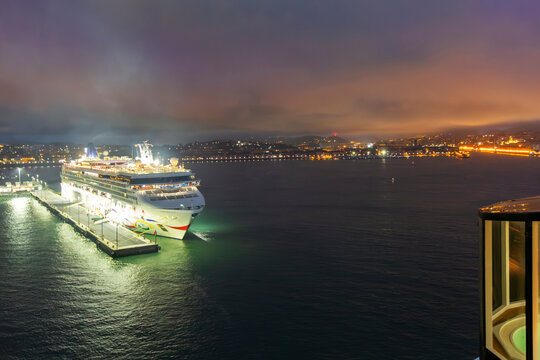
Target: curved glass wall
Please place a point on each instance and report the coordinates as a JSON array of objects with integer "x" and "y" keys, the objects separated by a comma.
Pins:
[
  {"x": 505, "y": 304},
  {"x": 511, "y": 253}
]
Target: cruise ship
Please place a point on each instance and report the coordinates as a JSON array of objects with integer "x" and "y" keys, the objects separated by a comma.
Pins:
[{"x": 138, "y": 193}]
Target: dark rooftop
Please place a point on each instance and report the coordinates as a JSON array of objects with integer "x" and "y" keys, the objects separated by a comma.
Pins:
[{"x": 524, "y": 205}]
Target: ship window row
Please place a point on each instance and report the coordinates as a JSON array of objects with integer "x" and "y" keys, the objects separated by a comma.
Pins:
[
  {"x": 114, "y": 187},
  {"x": 138, "y": 181},
  {"x": 114, "y": 193},
  {"x": 106, "y": 187},
  {"x": 110, "y": 183},
  {"x": 172, "y": 197},
  {"x": 168, "y": 191},
  {"x": 161, "y": 180},
  {"x": 121, "y": 182}
]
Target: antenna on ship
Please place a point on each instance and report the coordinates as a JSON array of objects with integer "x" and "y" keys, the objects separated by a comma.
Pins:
[
  {"x": 90, "y": 151},
  {"x": 144, "y": 153}
]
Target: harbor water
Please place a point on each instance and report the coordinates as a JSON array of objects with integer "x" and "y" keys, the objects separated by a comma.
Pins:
[{"x": 367, "y": 259}]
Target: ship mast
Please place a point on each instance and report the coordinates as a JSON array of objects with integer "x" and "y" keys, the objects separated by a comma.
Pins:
[{"x": 145, "y": 153}]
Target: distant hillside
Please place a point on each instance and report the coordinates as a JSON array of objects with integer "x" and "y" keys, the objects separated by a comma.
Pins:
[{"x": 314, "y": 141}]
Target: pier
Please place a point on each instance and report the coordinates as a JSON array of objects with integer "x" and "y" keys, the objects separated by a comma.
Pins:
[{"x": 114, "y": 239}]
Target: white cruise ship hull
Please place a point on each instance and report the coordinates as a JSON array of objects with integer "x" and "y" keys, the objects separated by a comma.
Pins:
[
  {"x": 161, "y": 222},
  {"x": 142, "y": 217}
]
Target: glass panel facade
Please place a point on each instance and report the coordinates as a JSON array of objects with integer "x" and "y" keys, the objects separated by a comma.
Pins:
[
  {"x": 536, "y": 287},
  {"x": 505, "y": 288},
  {"x": 498, "y": 268},
  {"x": 516, "y": 234}
]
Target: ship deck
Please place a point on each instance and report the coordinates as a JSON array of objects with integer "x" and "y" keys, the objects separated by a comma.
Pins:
[
  {"x": 113, "y": 239},
  {"x": 127, "y": 170}
]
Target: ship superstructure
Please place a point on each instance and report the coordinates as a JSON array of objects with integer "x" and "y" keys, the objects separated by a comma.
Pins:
[{"x": 140, "y": 194}]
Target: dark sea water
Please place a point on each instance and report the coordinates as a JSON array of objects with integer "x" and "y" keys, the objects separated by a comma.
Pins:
[{"x": 290, "y": 260}]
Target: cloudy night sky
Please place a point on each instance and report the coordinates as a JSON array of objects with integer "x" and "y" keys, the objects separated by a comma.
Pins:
[{"x": 175, "y": 71}]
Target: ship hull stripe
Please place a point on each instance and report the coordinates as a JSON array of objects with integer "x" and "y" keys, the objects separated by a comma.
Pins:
[{"x": 178, "y": 227}]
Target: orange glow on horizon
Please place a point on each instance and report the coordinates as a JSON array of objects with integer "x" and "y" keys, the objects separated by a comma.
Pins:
[{"x": 510, "y": 151}]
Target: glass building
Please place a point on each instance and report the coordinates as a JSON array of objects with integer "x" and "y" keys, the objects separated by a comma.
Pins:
[{"x": 509, "y": 277}]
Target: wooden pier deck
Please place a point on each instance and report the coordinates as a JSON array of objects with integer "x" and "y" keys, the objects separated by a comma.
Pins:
[{"x": 113, "y": 239}]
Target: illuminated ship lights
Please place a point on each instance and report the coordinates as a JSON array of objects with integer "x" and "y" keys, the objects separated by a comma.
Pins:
[{"x": 139, "y": 194}]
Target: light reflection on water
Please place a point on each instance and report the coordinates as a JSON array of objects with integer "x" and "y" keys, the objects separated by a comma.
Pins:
[
  {"x": 68, "y": 298},
  {"x": 205, "y": 236}
]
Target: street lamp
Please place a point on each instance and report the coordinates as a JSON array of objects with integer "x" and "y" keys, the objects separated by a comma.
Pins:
[{"x": 19, "y": 174}]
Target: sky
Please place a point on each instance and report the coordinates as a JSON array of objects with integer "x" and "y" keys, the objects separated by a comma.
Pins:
[{"x": 173, "y": 71}]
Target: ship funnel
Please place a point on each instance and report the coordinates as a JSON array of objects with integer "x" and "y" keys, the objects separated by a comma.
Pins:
[{"x": 174, "y": 161}]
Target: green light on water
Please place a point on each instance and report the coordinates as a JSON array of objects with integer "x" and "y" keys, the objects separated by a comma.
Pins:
[{"x": 208, "y": 222}]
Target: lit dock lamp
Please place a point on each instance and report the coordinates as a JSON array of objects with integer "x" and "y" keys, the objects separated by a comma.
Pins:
[{"x": 509, "y": 280}]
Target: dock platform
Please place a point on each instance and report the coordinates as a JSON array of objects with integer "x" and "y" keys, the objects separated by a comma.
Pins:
[{"x": 113, "y": 239}]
